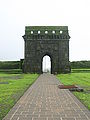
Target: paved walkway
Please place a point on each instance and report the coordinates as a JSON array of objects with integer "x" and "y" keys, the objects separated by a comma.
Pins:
[{"x": 45, "y": 101}]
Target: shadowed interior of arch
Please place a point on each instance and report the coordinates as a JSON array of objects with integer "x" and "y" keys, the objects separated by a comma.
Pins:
[{"x": 46, "y": 64}]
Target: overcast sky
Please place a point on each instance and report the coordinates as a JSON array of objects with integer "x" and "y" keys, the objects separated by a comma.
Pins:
[{"x": 16, "y": 14}]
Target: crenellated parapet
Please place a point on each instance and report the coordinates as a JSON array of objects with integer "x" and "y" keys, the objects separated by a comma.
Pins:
[{"x": 46, "y": 32}]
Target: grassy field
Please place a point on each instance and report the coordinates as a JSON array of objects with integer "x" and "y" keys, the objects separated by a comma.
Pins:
[
  {"x": 12, "y": 87},
  {"x": 13, "y": 84},
  {"x": 79, "y": 77}
]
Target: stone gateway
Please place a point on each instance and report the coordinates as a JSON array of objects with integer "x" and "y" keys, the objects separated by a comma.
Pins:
[{"x": 46, "y": 40}]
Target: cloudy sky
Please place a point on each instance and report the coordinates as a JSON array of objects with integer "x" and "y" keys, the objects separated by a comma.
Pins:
[{"x": 16, "y": 14}]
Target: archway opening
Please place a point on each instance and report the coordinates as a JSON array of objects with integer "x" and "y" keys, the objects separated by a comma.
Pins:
[{"x": 46, "y": 64}]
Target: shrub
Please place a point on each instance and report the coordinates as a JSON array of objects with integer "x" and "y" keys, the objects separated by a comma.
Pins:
[
  {"x": 10, "y": 65},
  {"x": 80, "y": 64}
]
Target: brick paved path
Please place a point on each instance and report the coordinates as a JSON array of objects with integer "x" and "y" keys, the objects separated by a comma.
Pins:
[{"x": 45, "y": 101}]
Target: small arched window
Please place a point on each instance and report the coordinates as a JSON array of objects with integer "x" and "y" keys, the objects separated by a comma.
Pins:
[
  {"x": 38, "y": 32},
  {"x": 46, "y": 32},
  {"x": 53, "y": 32},
  {"x": 61, "y": 31},
  {"x": 31, "y": 32}
]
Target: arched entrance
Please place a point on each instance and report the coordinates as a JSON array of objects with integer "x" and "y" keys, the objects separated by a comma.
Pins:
[
  {"x": 46, "y": 40},
  {"x": 46, "y": 64}
]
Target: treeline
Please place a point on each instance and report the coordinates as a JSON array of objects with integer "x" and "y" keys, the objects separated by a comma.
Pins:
[
  {"x": 80, "y": 64},
  {"x": 10, "y": 65},
  {"x": 18, "y": 64}
]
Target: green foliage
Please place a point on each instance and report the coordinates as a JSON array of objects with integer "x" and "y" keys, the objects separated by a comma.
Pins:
[
  {"x": 10, "y": 71},
  {"x": 10, "y": 65},
  {"x": 81, "y": 70},
  {"x": 80, "y": 64},
  {"x": 78, "y": 78},
  {"x": 13, "y": 87}
]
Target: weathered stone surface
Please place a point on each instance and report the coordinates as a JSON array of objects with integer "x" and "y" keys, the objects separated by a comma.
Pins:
[{"x": 46, "y": 40}]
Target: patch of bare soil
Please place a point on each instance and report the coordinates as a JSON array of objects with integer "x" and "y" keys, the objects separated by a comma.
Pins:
[{"x": 16, "y": 77}]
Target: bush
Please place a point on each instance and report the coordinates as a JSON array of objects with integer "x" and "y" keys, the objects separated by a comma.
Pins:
[
  {"x": 10, "y": 65},
  {"x": 80, "y": 64}
]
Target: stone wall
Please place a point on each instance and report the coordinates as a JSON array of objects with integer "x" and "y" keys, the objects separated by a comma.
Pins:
[{"x": 46, "y": 40}]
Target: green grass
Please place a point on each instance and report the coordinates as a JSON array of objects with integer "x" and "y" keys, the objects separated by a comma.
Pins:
[
  {"x": 10, "y": 71},
  {"x": 79, "y": 77},
  {"x": 12, "y": 87},
  {"x": 81, "y": 70}
]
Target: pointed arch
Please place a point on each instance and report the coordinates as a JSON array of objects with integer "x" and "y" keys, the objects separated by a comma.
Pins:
[{"x": 46, "y": 63}]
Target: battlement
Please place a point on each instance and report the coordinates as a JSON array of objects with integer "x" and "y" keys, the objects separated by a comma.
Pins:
[
  {"x": 47, "y": 32},
  {"x": 46, "y": 29}
]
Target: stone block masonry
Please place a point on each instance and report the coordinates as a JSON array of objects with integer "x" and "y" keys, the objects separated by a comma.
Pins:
[{"x": 46, "y": 40}]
